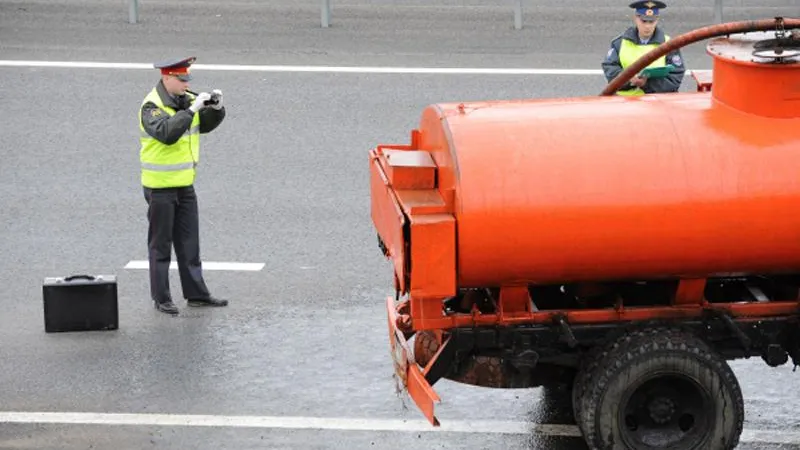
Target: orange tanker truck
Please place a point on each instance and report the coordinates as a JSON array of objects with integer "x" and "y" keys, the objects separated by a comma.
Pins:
[{"x": 543, "y": 240}]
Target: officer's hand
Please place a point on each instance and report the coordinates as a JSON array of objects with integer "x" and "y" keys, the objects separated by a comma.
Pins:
[
  {"x": 639, "y": 81},
  {"x": 217, "y": 105},
  {"x": 199, "y": 101}
]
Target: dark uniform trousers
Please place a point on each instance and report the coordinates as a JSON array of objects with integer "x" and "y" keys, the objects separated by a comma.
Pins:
[{"x": 173, "y": 217}]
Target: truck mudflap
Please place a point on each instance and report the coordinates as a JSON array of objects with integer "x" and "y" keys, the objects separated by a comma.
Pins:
[{"x": 408, "y": 374}]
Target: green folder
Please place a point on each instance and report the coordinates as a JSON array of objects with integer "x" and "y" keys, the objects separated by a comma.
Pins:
[{"x": 657, "y": 72}]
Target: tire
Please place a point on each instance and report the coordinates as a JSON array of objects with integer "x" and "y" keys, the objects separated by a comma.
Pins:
[
  {"x": 660, "y": 389},
  {"x": 425, "y": 346},
  {"x": 589, "y": 362}
]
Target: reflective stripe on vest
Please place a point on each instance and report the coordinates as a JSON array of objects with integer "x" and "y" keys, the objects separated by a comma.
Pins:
[
  {"x": 172, "y": 165},
  {"x": 630, "y": 52},
  {"x": 192, "y": 130}
]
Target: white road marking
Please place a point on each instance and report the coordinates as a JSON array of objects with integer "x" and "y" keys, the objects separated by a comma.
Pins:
[
  {"x": 309, "y": 423},
  {"x": 210, "y": 265},
  {"x": 770, "y": 437},
  {"x": 323, "y": 69},
  {"x": 341, "y": 424}
]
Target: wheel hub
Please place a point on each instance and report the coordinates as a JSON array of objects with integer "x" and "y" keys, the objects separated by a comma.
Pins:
[
  {"x": 666, "y": 411},
  {"x": 661, "y": 409}
]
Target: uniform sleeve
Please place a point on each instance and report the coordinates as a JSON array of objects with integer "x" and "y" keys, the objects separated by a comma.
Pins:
[
  {"x": 163, "y": 127},
  {"x": 672, "y": 82},
  {"x": 612, "y": 66},
  {"x": 210, "y": 119}
]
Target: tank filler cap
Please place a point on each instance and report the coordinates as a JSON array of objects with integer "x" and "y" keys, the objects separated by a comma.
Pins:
[
  {"x": 762, "y": 47},
  {"x": 767, "y": 62}
]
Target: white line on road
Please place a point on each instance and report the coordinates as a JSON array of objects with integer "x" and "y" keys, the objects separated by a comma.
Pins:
[
  {"x": 409, "y": 70},
  {"x": 234, "y": 266},
  {"x": 324, "y": 69},
  {"x": 329, "y": 69},
  {"x": 341, "y": 424},
  {"x": 313, "y": 423}
]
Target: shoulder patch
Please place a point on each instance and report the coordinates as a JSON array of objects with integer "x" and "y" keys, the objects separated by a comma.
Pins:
[{"x": 155, "y": 112}]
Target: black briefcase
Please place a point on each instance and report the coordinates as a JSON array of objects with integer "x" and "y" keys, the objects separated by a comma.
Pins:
[{"x": 80, "y": 303}]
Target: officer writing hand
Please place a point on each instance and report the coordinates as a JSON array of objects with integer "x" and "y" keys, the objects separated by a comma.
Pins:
[
  {"x": 199, "y": 102},
  {"x": 639, "y": 81}
]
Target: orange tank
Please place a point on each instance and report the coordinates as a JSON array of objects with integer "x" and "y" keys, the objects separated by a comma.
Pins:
[{"x": 602, "y": 188}]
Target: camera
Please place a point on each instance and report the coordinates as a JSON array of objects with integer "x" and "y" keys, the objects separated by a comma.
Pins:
[{"x": 214, "y": 99}]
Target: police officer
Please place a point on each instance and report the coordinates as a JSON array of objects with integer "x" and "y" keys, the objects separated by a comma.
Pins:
[
  {"x": 636, "y": 41},
  {"x": 171, "y": 121}
]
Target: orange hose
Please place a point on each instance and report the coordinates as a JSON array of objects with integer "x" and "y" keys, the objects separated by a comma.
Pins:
[{"x": 694, "y": 36}]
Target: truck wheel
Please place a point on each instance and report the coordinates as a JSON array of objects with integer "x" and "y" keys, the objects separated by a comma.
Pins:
[{"x": 661, "y": 389}]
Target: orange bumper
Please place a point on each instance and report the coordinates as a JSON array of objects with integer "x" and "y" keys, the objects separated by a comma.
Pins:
[{"x": 407, "y": 370}]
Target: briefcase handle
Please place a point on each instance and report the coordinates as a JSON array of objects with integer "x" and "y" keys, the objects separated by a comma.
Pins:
[{"x": 73, "y": 277}]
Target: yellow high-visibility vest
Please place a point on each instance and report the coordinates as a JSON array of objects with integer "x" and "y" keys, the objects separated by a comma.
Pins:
[
  {"x": 630, "y": 52},
  {"x": 172, "y": 165}
]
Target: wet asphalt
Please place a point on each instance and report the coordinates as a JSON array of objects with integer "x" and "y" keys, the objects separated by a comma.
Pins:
[{"x": 284, "y": 182}]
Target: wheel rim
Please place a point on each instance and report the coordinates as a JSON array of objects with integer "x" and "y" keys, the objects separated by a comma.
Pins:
[{"x": 666, "y": 411}]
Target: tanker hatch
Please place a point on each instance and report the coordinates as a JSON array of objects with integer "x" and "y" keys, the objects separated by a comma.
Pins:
[{"x": 758, "y": 72}]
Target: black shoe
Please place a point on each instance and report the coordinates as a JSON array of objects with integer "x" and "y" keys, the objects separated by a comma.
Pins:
[
  {"x": 167, "y": 307},
  {"x": 210, "y": 301}
]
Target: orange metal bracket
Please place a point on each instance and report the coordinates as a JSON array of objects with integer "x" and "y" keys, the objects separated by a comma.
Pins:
[
  {"x": 515, "y": 301},
  {"x": 388, "y": 217},
  {"x": 690, "y": 292},
  {"x": 407, "y": 370}
]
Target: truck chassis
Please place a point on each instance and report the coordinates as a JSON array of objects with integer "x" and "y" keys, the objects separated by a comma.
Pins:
[{"x": 675, "y": 352}]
